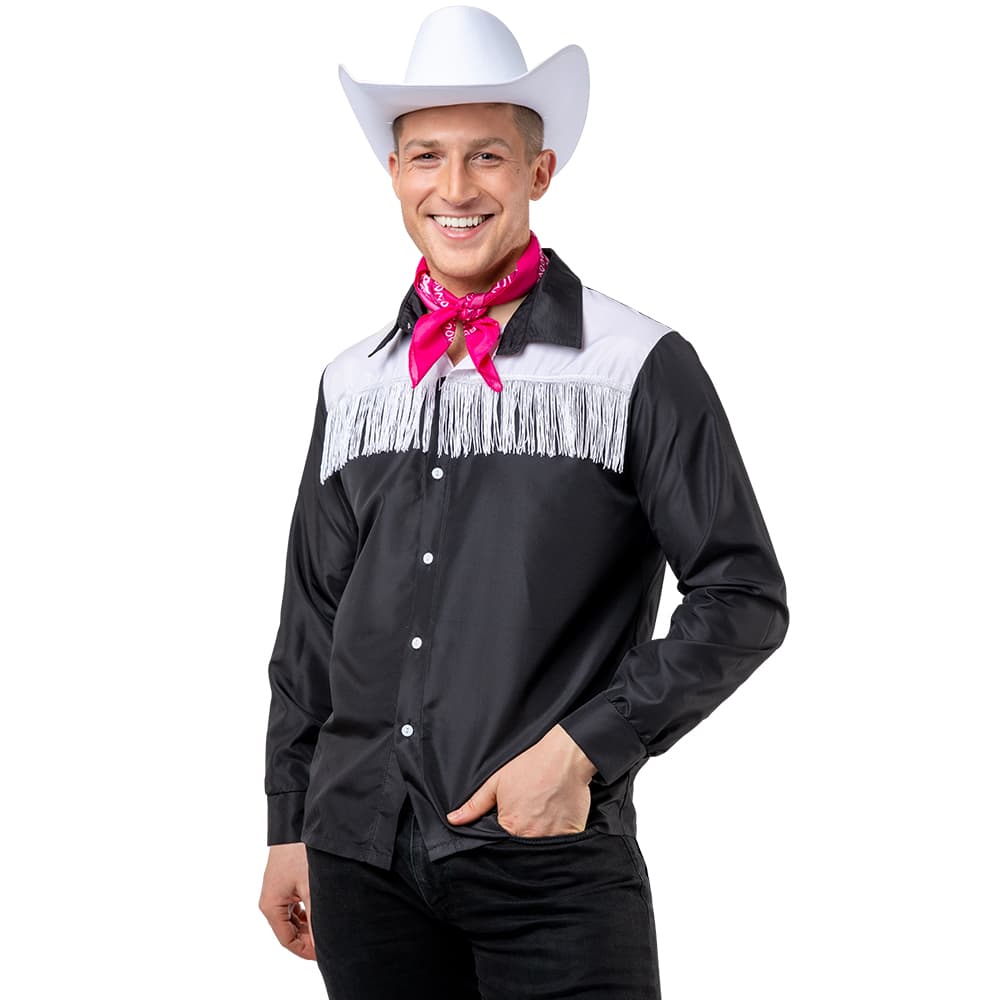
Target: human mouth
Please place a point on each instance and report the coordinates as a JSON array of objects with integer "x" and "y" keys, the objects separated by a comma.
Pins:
[{"x": 461, "y": 226}]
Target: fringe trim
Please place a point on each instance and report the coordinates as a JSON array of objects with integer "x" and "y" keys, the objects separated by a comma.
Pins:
[
  {"x": 385, "y": 417},
  {"x": 583, "y": 418}
]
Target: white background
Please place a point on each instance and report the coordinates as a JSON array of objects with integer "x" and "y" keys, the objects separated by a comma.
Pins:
[{"x": 193, "y": 225}]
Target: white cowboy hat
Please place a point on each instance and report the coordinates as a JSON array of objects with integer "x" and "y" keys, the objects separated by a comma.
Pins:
[{"x": 465, "y": 55}]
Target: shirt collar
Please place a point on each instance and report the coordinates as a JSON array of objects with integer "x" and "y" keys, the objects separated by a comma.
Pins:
[{"x": 552, "y": 312}]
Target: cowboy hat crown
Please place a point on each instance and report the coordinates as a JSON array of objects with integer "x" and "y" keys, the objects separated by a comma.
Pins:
[{"x": 466, "y": 55}]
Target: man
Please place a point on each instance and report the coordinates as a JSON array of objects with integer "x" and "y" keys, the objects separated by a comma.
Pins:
[{"x": 464, "y": 682}]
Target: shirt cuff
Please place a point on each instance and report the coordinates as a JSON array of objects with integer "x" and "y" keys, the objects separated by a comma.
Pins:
[
  {"x": 285, "y": 814},
  {"x": 605, "y": 736}
]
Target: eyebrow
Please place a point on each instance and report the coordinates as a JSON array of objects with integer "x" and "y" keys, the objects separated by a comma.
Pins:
[{"x": 493, "y": 140}]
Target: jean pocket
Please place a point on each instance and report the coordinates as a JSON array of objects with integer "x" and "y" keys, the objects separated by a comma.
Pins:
[
  {"x": 635, "y": 853},
  {"x": 555, "y": 838}
]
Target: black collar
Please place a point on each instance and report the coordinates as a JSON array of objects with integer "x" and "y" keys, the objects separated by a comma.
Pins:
[{"x": 552, "y": 312}]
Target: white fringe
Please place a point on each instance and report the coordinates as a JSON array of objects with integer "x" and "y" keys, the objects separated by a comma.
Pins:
[{"x": 582, "y": 418}]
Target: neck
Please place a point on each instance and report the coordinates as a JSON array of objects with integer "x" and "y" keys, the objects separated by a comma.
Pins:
[
  {"x": 478, "y": 286},
  {"x": 503, "y": 312}
]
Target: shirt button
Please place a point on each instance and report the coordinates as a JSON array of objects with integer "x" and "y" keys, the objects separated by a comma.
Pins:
[
  {"x": 437, "y": 472},
  {"x": 416, "y": 642},
  {"x": 428, "y": 557},
  {"x": 407, "y": 730}
]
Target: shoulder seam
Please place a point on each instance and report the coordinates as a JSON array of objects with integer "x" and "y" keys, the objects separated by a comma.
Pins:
[{"x": 652, "y": 319}]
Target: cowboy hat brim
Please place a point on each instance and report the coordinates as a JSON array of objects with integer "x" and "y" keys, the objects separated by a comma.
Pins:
[{"x": 558, "y": 89}]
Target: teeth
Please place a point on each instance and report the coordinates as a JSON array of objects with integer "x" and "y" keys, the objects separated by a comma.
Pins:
[{"x": 459, "y": 222}]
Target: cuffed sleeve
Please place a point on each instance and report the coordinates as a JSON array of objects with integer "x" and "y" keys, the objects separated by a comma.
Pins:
[
  {"x": 322, "y": 544},
  {"x": 694, "y": 490}
]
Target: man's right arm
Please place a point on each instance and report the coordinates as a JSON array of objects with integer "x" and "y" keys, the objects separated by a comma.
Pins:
[{"x": 322, "y": 543}]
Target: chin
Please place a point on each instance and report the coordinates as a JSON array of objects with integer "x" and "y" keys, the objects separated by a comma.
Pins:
[{"x": 461, "y": 260}]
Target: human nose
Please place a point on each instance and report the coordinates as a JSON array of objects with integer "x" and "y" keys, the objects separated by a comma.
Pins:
[{"x": 456, "y": 184}]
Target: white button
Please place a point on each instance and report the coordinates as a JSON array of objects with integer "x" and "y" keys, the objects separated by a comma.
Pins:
[
  {"x": 407, "y": 730},
  {"x": 428, "y": 557},
  {"x": 416, "y": 642},
  {"x": 437, "y": 472}
]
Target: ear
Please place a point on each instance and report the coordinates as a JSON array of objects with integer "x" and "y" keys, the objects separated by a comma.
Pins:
[
  {"x": 545, "y": 167},
  {"x": 394, "y": 171}
]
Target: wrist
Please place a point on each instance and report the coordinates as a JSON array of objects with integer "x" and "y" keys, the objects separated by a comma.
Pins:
[
  {"x": 581, "y": 763},
  {"x": 585, "y": 766}
]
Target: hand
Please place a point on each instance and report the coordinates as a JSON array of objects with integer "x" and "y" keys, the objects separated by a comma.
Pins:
[
  {"x": 285, "y": 891},
  {"x": 542, "y": 792}
]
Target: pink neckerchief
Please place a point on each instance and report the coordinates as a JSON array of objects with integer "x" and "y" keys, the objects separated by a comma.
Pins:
[{"x": 435, "y": 330}]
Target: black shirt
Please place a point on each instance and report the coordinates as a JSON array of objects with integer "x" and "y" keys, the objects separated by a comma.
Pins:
[{"x": 466, "y": 568}]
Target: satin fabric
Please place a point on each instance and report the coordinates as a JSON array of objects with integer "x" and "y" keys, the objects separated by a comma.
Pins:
[
  {"x": 442, "y": 612},
  {"x": 436, "y": 329}
]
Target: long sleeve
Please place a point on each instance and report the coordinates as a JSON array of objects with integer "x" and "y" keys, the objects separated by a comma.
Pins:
[
  {"x": 694, "y": 490},
  {"x": 322, "y": 543}
]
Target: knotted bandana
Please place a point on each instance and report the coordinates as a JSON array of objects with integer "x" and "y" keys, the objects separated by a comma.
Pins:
[{"x": 435, "y": 330}]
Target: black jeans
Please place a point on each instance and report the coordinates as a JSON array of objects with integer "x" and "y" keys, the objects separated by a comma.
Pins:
[{"x": 545, "y": 917}]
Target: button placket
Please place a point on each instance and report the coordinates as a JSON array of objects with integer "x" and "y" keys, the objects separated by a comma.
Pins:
[{"x": 433, "y": 498}]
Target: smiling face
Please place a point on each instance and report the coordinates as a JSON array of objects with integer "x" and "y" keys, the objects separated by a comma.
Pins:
[{"x": 457, "y": 163}]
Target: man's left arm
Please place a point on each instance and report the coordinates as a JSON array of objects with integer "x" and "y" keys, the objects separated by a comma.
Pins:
[{"x": 694, "y": 489}]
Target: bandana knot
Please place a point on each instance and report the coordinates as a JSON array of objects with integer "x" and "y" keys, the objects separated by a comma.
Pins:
[
  {"x": 472, "y": 308},
  {"x": 435, "y": 330}
]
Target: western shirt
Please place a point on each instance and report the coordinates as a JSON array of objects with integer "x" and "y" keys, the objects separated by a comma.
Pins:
[{"x": 467, "y": 568}]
